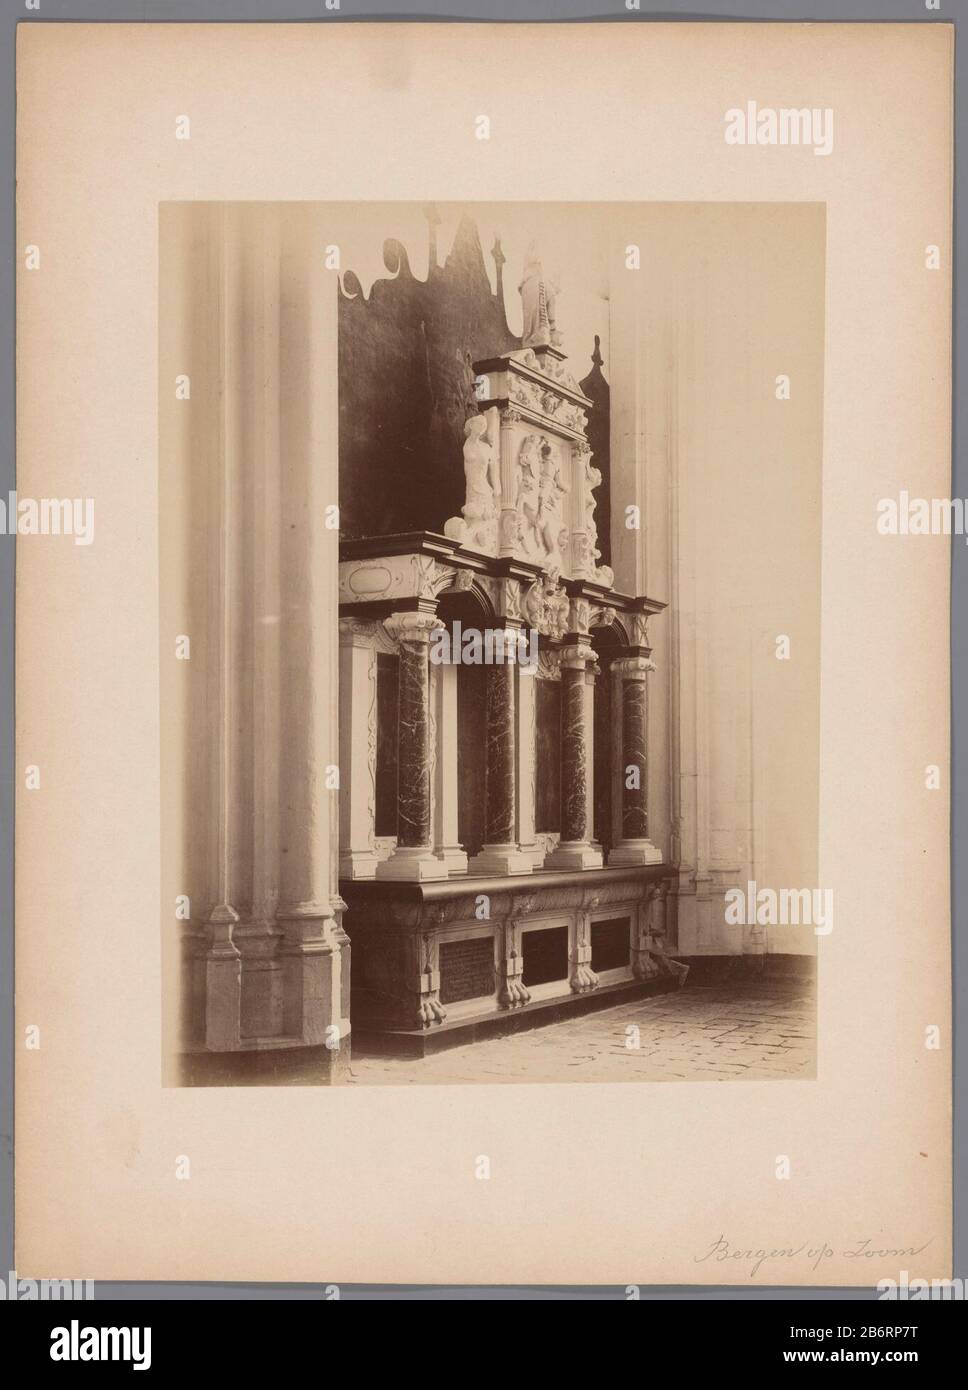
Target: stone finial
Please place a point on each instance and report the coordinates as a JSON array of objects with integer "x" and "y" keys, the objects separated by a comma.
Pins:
[{"x": 499, "y": 258}]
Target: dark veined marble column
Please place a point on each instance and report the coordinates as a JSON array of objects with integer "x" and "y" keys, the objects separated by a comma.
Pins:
[
  {"x": 413, "y": 857},
  {"x": 575, "y": 850},
  {"x": 634, "y": 819},
  {"x": 574, "y": 784},
  {"x": 499, "y": 766},
  {"x": 500, "y": 853},
  {"x": 634, "y": 847}
]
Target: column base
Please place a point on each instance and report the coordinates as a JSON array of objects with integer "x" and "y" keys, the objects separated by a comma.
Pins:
[
  {"x": 358, "y": 863},
  {"x": 454, "y": 859},
  {"x": 575, "y": 854},
  {"x": 413, "y": 863},
  {"x": 634, "y": 852},
  {"x": 501, "y": 859},
  {"x": 534, "y": 853}
]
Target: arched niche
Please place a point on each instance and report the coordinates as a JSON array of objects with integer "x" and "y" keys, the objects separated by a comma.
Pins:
[{"x": 470, "y": 609}]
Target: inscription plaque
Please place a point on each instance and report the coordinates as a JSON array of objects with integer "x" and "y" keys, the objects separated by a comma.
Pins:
[
  {"x": 466, "y": 969},
  {"x": 545, "y": 955},
  {"x": 610, "y": 944}
]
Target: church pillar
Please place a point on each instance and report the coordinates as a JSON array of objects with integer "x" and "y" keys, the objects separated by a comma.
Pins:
[
  {"x": 311, "y": 952},
  {"x": 634, "y": 847},
  {"x": 223, "y": 961},
  {"x": 413, "y": 857}
]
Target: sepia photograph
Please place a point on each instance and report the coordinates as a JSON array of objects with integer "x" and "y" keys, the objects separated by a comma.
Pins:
[{"x": 538, "y": 799}]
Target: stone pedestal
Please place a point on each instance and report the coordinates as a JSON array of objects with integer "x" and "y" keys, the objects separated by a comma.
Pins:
[
  {"x": 427, "y": 972},
  {"x": 307, "y": 956},
  {"x": 223, "y": 983}
]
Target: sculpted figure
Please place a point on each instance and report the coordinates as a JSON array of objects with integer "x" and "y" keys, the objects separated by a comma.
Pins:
[
  {"x": 527, "y": 501},
  {"x": 552, "y": 487},
  {"x": 538, "y": 296},
  {"x": 482, "y": 495},
  {"x": 546, "y": 605}
]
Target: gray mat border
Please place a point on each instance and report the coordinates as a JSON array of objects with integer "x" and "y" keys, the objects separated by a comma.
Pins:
[{"x": 13, "y": 12}]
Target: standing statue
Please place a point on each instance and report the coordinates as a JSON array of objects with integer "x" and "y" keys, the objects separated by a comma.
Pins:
[
  {"x": 477, "y": 526},
  {"x": 538, "y": 296},
  {"x": 552, "y": 488},
  {"x": 528, "y": 501}
]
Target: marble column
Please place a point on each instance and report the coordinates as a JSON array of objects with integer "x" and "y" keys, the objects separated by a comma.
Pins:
[
  {"x": 357, "y": 749},
  {"x": 414, "y": 856},
  {"x": 447, "y": 846},
  {"x": 634, "y": 847},
  {"x": 575, "y": 850},
  {"x": 500, "y": 853}
]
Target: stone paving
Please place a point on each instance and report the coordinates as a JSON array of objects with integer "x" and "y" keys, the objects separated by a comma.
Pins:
[{"x": 738, "y": 1031}]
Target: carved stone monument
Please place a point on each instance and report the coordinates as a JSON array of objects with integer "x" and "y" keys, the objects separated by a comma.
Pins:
[
  {"x": 530, "y": 481},
  {"x": 483, "y": 894}
]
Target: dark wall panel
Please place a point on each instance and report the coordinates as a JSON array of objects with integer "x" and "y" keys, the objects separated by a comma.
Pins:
[
  {"x": 547, "y": 815},
  {"x": 406, "y": 385},
  {"x": 471, "y": 734}
]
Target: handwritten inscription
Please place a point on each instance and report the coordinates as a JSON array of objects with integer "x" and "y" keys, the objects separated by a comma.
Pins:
[{"x": 814, "y": 1252}]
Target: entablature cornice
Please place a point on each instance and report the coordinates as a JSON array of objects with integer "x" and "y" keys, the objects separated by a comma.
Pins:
[{"x": 381, "y": 575}]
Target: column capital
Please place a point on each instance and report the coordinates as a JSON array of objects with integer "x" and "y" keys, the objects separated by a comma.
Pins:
[
  {"x": 633, "y": 668},
  {"x": 412, "y": 627},
  {"x": 356, "y": 632},
  {"x": 508, "y": 602},
  {"x": 577, "y": 656}
]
